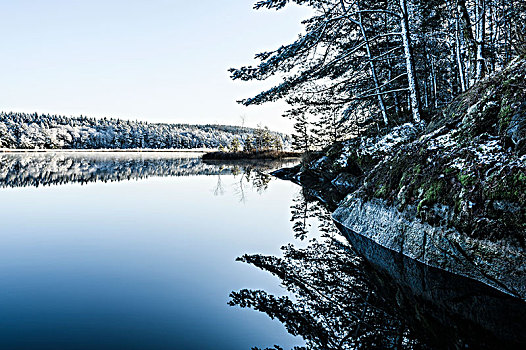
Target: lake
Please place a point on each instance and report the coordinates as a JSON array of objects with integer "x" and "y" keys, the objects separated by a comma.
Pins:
[
  {"x": 139, "y": 250},
  {"x": 135, "y": 251}
]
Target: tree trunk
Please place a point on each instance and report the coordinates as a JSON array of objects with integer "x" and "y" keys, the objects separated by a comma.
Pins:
[
  {"x": 460, "y": 63},
  {"x": 481, "y": 31},
  {"x": 469, "y": 38},
  {"x": 409, "y": 62},
  {"x": 373, "y": 69},
  {"x": 434, "y": 82}
]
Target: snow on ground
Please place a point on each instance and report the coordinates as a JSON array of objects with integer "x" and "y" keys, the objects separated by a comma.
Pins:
[{"x": 386, "y": 144}]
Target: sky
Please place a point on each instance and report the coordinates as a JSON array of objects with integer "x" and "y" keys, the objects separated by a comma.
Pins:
[{"x": 152, "y": 60}]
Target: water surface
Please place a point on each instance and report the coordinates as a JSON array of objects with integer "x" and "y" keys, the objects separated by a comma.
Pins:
[
  {"x": 135, "y": 251},
  {"x": 138, "y": 251}
]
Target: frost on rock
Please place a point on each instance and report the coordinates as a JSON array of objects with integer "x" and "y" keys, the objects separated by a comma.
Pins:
[
  {"x": 473, "y": 109},
  {"x": 490, "y": 152},
  {"x": 386, "y": 144},
  {"x": 318, "y": 163},
  {"x": 345, "y": 154},
  {"x": 457, "y": 164},
  {"x": 445, "y": 141},
  {"x": 377, "y": 147}
]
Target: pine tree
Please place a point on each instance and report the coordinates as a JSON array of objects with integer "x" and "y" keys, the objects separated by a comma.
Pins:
[{"x": 387, "y": 61}]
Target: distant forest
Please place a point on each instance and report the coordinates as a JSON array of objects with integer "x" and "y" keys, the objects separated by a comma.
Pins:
[{"x": 44, "y": 131}]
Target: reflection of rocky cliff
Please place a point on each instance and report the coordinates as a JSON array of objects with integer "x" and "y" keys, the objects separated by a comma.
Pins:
[
  {"x": 436, "y": 302},
  {"x": 365, "y": 296},
  {"x": 42, "y": 169}
]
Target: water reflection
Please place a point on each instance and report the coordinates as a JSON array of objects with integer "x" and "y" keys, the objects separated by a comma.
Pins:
[
  {"x": 340, "y": 297},
  {"x": 134, "y": 264},
  {"x": 369, "y": 297},
  {"x": 252, "y": 176},
  {"x": 44, "y": 169}
]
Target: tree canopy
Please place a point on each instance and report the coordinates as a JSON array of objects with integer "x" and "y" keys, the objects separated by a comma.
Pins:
[{"x": 361, "y": 63}]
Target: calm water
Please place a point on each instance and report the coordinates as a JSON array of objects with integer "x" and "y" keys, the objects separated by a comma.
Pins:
[
  {"x": 138, "y": 251},
  {"x": 135, "y": 251}
]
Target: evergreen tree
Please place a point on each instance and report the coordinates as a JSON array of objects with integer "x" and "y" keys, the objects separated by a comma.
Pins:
[
  {"x": 388, "y": 61},
  {"x": 29, "y": 131}
]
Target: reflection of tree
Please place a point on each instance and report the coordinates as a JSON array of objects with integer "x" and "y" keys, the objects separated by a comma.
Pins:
[
  {"x": 21, "y": 170},
  {"x": 260, "y": 181},
  {"x": 333, "y": 305},
  {"x": 43, "y": 169},
  {"x": 219, "y": 189},
  {"x": 300, "y": 215},
  {"x": 239, "y": 187},
  {"x": 253, "y": 176},
  {"x": 304, "y": 210},
  {"x": 338, "y": 300}
]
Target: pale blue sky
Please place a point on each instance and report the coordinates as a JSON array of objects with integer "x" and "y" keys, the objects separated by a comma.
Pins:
[{"x": 155, "y": 60}]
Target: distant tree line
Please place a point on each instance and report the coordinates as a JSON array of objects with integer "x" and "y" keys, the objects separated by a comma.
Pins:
[
  {"x": 261, "y": 140},
  {"x": 371, "y": 65},
  {"x": 44, "y": 131}
]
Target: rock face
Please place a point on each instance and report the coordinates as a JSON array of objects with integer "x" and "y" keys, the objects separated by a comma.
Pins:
[
  {"x": 442, "y": 247},
  {"x": 435, "y": 302},
  {"x": 516, "y": 130},
  {"x": 451, "y": 195}
]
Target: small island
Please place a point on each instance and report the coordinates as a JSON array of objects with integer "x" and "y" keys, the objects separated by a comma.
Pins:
[
  {"x": 262, "y": 144},
  {"x": 243, "y": 155}
]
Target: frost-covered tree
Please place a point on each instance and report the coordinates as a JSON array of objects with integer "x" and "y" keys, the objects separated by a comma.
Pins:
[
  {"x": 337, "y": 62},
  {"x": 234, "y": 145},
  {"x": 387, "y": 61},
  {"x": 28, "y": 131}
]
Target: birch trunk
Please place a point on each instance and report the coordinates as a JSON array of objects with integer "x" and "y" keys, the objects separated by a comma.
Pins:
[
  {"x": 409, "y": 62},
  {"x": 460, "y": 63},
  {"x": 481, "y": 31}
]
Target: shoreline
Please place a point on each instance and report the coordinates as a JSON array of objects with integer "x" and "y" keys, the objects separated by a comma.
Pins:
[
  {"x": 108, "y": 150},
  {"x": 242, "y": 155}
]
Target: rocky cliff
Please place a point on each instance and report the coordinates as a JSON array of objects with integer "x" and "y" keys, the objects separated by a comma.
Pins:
[{"x": 451, "y": 194}]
